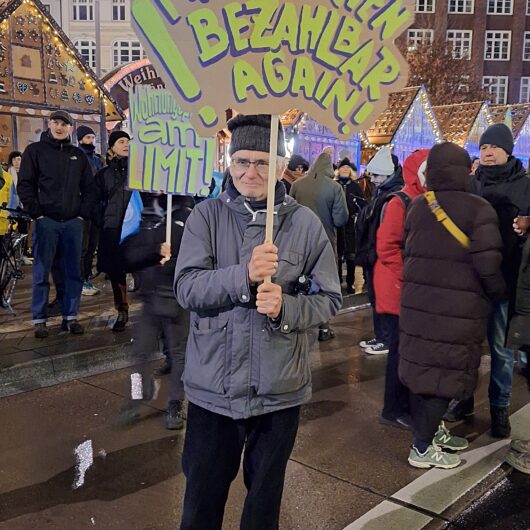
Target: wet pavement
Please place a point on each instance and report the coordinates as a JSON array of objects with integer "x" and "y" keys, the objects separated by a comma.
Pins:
[{"x": 343, "y": 465}]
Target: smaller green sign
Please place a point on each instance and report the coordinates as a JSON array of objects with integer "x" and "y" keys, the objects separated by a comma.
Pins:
[{"x": 166, "y": 154}]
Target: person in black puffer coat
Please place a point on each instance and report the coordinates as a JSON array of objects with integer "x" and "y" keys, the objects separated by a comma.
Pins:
[
  {"x": 346, "y": 175},
  {"x": 161, "y": 313},
  {"x": 113, "y": 199},
  {"x": 447, "y": 296}
]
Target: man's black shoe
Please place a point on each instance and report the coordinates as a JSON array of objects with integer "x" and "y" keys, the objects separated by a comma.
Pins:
[
  {"x": 325, "y": 334},
  {"x": 121, "y": 321},
  {"x": 459, "y": 410},
  {"x": 41, "y": 331},
  {"x": 174, "y": 420},
  {"x": 55, "y": 308},
  {"x": 500, "y": 422},
  {"x": 403, "y": 422},
  {"x": 73, "y": 326}
]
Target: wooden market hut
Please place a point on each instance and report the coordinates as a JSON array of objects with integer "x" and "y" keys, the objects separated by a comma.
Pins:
[
  {"x": 464, "y": 123},
  {"x": 41, "y": 71},
  {"x": 518, "y": 116},
  {"x": 407, "y": 124},
  {"x": 308, "y": 138}
]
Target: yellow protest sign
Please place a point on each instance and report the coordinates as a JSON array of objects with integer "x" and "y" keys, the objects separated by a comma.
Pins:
[
  {"x": 334, "y": 59},
  {"x": 166, "y": 154}
]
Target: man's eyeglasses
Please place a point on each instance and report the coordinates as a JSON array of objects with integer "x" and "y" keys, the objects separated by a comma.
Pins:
[{"x": 241, "y": 165}]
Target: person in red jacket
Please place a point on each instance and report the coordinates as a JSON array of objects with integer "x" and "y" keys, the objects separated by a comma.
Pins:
[{"x": 388, "y": 278}]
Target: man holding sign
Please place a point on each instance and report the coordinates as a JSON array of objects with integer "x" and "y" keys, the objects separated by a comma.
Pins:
[{"x": 247, "y": 362}]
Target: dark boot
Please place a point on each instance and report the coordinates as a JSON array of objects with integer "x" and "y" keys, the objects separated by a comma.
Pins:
[
  {"x": 121, "y": 321},
  {"x": 73, "y": 326},
  {"x": 325, "y": 334},
  {"x": 174, "y": 419},
  {"x": 500, "y": 422},
  {"x": 41, "y": 331},
  {"x": 459, "y": 410}
]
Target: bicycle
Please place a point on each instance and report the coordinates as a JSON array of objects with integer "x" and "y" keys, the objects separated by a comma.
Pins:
[{"x": 11, "y": 253}]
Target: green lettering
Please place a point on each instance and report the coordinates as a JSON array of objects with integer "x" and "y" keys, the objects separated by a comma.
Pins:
[
  {"x": 193, "y": 156},
  {"x": 391, "y": 19},
  {"x": 135, "y": 176},
  {"x": 323, "y": 85},
  {"x": 277, "y": 74},
  {"x": 311, "y": 27},
  {"x": 153, "y": 131},
  {"x": 211, "y": 39},
  {"x": 303, "y": 77},
  {"x": 244, "y": 78},
  {"x": 323, "y": 53},
  {"x": 342, "y": 103},
  {"x": 178, "y": 133},
  {"x": 362, "y": 113},
  {"x": 237, "y": 25},
  {"x": 348, "y": 39},
  {"x": 385, "y": 72},
  {"x": 165, "y": 167},
  {"x": 286, "y": 28},
  {"x": 262, "y": 23},
  {"x": 357, "y": 64}
]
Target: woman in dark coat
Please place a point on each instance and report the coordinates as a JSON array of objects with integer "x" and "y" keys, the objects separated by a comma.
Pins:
[
  {"x": 446, "y": 300},
  {"x": 114, "y": 198}
]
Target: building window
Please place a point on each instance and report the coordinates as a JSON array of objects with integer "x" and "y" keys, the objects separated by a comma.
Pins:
[
  {"x": 460, "y": 42},
  {"x": 498, "y": 87},
  {"x": 83, "y": 9},
  {"x": 127, "y": 51},
  {"x": 528, "y": 7},
  {"x": 497, "y": 46},
  {"x": 462, "y": 6},
  {"x": 87, "y": 50},
  {"x": 418, "y": 36},
  {"x": 524, "y": 94},
  {"x": 500, "y": 7},
  {"x": 526, "y": 46},
  {"x": 118, "y": 10},
  {"x": 425, "y": 6}
]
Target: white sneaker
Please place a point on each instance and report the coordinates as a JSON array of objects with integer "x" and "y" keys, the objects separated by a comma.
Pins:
[
  {"x": 378, "y": 349},
  {"x": 89, "y": 289},
  {"x": 368, "y": 343}
]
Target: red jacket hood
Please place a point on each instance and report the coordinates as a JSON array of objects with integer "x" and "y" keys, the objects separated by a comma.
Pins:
[{"x": 412, "y": 164}]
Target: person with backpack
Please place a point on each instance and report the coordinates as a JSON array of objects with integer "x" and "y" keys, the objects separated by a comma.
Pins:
[
  {"x": 346, "y": 175},
  {"x": 161, "y": 313},
  {"x": 388, "y": 279},
  {"x": 387, "y": 180},
  {"x": 451, "y": 277}
]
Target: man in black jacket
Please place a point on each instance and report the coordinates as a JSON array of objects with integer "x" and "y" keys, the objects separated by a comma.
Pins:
[
  {"x": 56, "y": 187},
  {"x": 502, "y": 180}
]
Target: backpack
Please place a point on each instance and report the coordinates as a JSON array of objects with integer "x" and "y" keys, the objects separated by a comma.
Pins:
[{"x": 366, "y": 226}]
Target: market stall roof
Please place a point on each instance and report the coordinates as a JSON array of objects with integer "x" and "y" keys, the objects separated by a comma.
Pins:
[
  {"x": 27, "y": 28},
  {"x": 456, "y": 121},
  {"x": 519, "y": 114},
  {"x": 388, "y": 122},
  {"x": 290, "y": 118}
]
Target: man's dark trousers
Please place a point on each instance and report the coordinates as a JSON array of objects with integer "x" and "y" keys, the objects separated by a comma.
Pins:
[
  {"x": 211, "y": 459},
  {"x": 50, "y": 236}
]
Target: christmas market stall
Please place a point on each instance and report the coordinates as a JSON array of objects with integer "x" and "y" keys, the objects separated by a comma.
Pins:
[
  {"x": 517, "y": 117},
  {"x": 407, "y": 124},
  {"x": 307, "y": 138},
  {"x": 41, "y": 71},
  {"x": 464, "y": 123}
]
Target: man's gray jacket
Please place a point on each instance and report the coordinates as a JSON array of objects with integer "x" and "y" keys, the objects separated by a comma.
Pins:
[{"x": 238, "y": 362}]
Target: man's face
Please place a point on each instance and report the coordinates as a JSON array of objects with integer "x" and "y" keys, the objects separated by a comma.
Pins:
[
  {"x": 88, "y": 139},
  {"x": 491, "y": 155},
  {"x": 60, "y": 129},
  {"x": 378, "y": 180},
  {"x": 121, "y": 147},
  {"x": 16, "y": 162},
  {"x": 300, "y": 170},
  {"x": 250, "y": 173}
]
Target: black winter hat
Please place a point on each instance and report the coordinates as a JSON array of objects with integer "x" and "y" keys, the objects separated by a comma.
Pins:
[
  {"x": 253, "y": 133},
  {"x": 297, "y": 160},
  {"x": 499, "y": 135},
  {"x": 115, "y": 136},
  {"x": 346, "y": 162},
  {"x": 82, "y": 131},
  {"x": 62, "y": 115}
]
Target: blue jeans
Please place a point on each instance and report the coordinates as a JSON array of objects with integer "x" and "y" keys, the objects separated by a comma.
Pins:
[
  {"x": 502, "y": 358},
  {"x": 50, "y": 235}
]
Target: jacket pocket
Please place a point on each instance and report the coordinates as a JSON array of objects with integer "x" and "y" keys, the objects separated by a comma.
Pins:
[
  {"x": 290, "y": 268},
  {"x": 206, "y": 358},
  {"x": 284, "y": 363}
]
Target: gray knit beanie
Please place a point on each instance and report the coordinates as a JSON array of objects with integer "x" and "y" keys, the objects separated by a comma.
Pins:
[{"x": 252, "y": 133}]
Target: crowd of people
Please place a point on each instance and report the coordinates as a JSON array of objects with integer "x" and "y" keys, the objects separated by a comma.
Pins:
[{"x": 441, "y": 243}]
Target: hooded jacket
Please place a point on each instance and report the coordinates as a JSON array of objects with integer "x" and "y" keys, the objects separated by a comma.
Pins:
[
  {"x": 321, "y": 194},
  {"x": 239, "y": 363},
  {"x": 507, "y": 189},
  {"x": 447, "y": 289},
  {"x": 388, "y": 271},
  {"x": 355, "y": 202},
  {"x": 95, "y": 162},
  {"x": 55, "y": 180}
]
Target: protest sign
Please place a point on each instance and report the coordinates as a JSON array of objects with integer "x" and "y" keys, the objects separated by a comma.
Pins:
[
  {"x": 334, "y": 59},
  {"x": 166, "y": 154}
]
